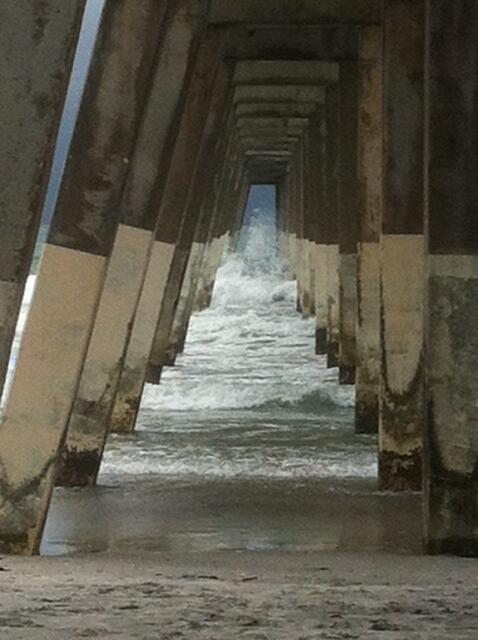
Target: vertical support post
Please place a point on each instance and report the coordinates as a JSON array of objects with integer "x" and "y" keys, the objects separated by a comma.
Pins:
[
  {"x": 317, "y": 178},
  {"x": 90, "y": 417},
  {"x": 331, "y": 221},
  {"x": 370, "y": 133},
  {"x": 172, "y": 207},
  {"x": 402, "y": 248},
  {"x": 451, "y": 443},
  {"x": 72, "y": 269},
  {"x": 348, "y": 220},
  {"x": 38, "y": 45}
]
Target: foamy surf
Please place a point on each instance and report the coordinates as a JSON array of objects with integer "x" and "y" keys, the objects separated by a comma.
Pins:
[{"x": 249, "y": 398}]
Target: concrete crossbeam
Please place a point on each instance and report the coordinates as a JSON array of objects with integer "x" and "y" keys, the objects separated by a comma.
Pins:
[{"x": 283, "y": 12}]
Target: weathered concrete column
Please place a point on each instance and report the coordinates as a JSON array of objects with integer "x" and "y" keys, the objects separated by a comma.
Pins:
[
  {"x": 206, "y": 90},
  {"x": 331, "y": 224},
  {"x": 402, "y": 248},
  {"x": 451, "y": 443},
  {"x": 348, "y": 220},
  {"x": 168, "y": 339},
  {"x": 89, "y": 421},
  {"x": 370, "y": 151},
  {"x": 37, "y": 45},
  {"x": 72, "y": 269},
  {"x": 316, "y": 185}
]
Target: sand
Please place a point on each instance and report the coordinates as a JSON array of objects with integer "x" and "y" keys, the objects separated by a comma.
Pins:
[
  {"x": 228, "y": 560},
  {"x": 250, "y": 595}
]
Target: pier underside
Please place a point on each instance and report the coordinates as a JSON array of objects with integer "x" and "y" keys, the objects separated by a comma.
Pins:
[{"x": 362, "y": 114}]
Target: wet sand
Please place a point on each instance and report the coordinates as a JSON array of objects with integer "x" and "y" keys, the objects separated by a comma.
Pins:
[
  {"x": 153, "y": 559},
  {"x": 252, "y": 514}
]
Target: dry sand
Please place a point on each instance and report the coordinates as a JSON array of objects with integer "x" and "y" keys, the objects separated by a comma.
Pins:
[{"x": 226, "y": 596}]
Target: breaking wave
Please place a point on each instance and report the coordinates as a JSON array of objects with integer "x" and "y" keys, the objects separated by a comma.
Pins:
[{"x": 249, "y": 397}]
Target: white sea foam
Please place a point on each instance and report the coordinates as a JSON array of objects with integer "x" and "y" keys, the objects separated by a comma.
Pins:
[{"x": 249, "y": 398}]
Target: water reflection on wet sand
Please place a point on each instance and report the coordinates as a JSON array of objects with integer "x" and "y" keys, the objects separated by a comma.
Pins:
[{"x": 192, "y": 515}]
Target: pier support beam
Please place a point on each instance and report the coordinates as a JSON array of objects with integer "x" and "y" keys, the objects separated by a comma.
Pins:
[
  {"x": 37, "y": 44},
  {"x": 316, "y": 183},
  {"x": 370, "y": 212},
  {"x": 348, "y": 221},
  {"x": 172, "y": 206},
  {"x": 331, "y": 224},
  {"x": 131, "y": 252},
  {"x": 402, "y": 248},
  {"x": 72, "y": 269},
  {"x": 451, "y": 458}
]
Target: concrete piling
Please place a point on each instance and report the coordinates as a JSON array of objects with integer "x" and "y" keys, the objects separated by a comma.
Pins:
[
  {"x": 402, "y": 249},
  {"x": 71, "y": 272},
  {"x": 348, "y": 221},
  {"x": 451, "y": 452},
  {"x": 330, "y": 220},
  {"x": 174, "y": 198},
  {"x": 38, "y": 45},
  {"x": 131, "y": 252},
  {"x": 370, "y": 134}
]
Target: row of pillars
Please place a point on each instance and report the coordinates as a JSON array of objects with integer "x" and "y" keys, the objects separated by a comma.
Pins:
[{"x": 370, "y": 134}]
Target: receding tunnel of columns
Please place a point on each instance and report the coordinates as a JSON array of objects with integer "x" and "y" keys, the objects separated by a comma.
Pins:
[{"x": 186, "y": 105}]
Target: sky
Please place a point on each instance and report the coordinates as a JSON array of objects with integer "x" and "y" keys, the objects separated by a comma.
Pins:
[{"x": 261, "y": 203}]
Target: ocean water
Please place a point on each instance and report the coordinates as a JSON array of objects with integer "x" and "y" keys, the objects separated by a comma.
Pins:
[
  {"x": 246, "y": 445},
  {"x": 248, "y": 398}
]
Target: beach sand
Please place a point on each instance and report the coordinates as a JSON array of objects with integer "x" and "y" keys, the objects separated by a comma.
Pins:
[
  {"x": 225, "y": 596},
  {"x": 228, "y": 560}
]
